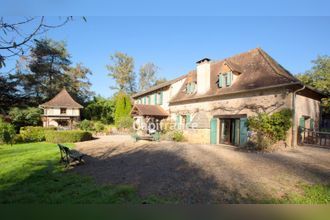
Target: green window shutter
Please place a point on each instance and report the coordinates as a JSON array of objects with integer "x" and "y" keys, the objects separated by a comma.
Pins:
[
  {"x": 213, "y": 131},
  {"x": 192, "y": 87},
  {"x": 188, "y": 120},
  {"x": 243, "y": 131},
  {"x": 161, "y": 98},
  {"x": 302, "y": 122},
  {"x": 149, "y": 99},
  {"x": 220, "y": 80},
  {"x": 155, "y": 98},
  {"x": 144, "y": 100},
  {"x": 229, "y": 78},
  {"x": 311, "y": 126},
  {"x": 177, "y": 121}
]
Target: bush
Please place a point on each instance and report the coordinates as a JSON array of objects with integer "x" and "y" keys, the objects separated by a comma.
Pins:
[
  {"x": 99, "y": 126},
  {"x": 67, "y": 136},
  {"x": 269, "y": 129},
  {"x": 34, "y": 134},
  {"x": 25, "y": 117},
  {"x": 175, "y": 135},
  {"x": 86, "y": 125},
  {"x": 7, "y": 133},
  {"x": 125, "y": 123}
]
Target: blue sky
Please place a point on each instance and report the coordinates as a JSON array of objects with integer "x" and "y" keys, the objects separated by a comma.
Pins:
[{"x": 175, "y": 43}]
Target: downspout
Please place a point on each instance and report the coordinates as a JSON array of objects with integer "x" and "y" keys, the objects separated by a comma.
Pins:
[{"x": 294, "y": 129}]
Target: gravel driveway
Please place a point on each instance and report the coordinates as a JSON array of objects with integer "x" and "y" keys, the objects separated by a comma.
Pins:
[{"x": 195, "y": 173}]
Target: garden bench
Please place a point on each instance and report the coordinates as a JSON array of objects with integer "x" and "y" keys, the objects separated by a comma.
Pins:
[{"x": 68, "y": 156}]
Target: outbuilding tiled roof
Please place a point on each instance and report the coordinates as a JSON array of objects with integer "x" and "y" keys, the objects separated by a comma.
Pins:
[
  {"x": 148, "y": 110},
  {"x": 62, "y": 99}
]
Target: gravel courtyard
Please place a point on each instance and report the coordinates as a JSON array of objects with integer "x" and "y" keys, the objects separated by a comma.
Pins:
[{"x": 195, "y": 173}]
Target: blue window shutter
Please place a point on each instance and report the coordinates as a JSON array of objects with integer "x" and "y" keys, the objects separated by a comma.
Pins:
[
  {"x": 155, "y": 98},
  {"x": 161, "y": 98},
  {"x": 213, "y": 131},
  {"x": 149, "y": 99},
  {"x": 243, "y": 131},
  {"x": 220, "y": 80},
  {"x": 144, "y": 100}
]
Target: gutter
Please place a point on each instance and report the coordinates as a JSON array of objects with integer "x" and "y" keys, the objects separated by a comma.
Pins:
[{"x": 294, "y": 129}]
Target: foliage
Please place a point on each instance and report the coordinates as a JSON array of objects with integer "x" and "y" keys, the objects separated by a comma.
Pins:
[
  {"x": 269, "y": 128},
  {"x": 7, "y": 133},
  {"x": 160, "y": 81},
  {"x": 8, "y": 93},
  {"x": 319, "y": 77},
  {"x": 67, "y": 136},
  {"x": 25, "y": 117},
  {"x": 123, "y": 109},
  {"x": 100, "y": 109},
  {"x": 86, "y": 125},
  {"x": 173, "y": 135},
  {"x": 47, "y": 70},
  {"x": 125, "y": 123},
  {"x": 33, "y": 134},
  {"x": 122, "y": 71},
  {"x": 147, "y": 76},
  {"x": 98, "y": 126}
]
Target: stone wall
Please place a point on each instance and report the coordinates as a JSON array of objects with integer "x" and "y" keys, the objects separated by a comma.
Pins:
[{"x": 198, "y": 136}]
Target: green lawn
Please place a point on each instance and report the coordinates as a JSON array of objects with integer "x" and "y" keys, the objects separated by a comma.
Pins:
[{"x": 31, "y": 173}]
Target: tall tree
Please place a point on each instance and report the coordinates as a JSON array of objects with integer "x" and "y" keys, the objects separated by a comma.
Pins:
[
  {"x": 319, "y": 77},
  {"x": 47, "y": 70},
  {"x": 78, "y": 83},
  {"x": 147, "y": 74},
  {"x": 123, "y": 107},
  {"x": 122, "y": 71}
]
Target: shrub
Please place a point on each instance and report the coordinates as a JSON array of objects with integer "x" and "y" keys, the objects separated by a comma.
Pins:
[
  {"x": 122, "y": 109},
  {"x": 269, "y": 128},
  {"x": 7, "y": 133},
  {"x": 125, "y": 123},
  {"x": 67, "y": 136},
  {"x": 25, "y": 117},
  {"x": 174, "y": 135},
  {"x": 34, "y": 133},
  {"x": 98, "y": 126},
  {"x": 86, "y": 125}
]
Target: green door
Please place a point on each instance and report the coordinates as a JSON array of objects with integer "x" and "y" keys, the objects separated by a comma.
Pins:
[
  {"x": 213, "y": 131},
  {"x": 243, "y": 131},
  {"x": 311, "y": 126},
  {"x": 302, "y": 122}
]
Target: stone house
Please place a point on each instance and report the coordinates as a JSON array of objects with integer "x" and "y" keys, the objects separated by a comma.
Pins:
[
  {"x": 211, "y": 103},
  {"x": 62, "y": 111}
]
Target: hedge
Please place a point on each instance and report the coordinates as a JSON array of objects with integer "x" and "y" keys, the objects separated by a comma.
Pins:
[
  {"x": 67, "y": 136},
  {"x": 33, "y": 133}
]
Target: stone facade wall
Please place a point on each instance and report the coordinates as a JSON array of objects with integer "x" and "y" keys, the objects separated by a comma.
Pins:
[
  {"x": 197, "y": 136},
  {"x": 246, "y": 103}
]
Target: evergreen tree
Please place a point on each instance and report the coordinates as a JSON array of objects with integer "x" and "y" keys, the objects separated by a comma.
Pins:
[{"x": 123, "y": 107}]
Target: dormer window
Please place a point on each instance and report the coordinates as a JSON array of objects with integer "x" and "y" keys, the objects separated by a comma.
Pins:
[
  {"x": 225, "y": 79},
  {"x": 190, "y": 88}
]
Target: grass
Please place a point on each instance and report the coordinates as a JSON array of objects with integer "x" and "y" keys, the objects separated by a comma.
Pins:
[
  {"x": 31, "y": 173},
  {"x": 311, "y": 194}
]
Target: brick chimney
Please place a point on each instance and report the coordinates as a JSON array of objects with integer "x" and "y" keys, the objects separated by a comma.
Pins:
[{"x": 203, "y": 75}]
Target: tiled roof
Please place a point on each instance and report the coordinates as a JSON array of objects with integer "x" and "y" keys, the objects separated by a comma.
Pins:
[
  {"x": 148, "y": 110},
  {"x": 62, "y": 99},
  {"x": 256, "y": 70}
]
